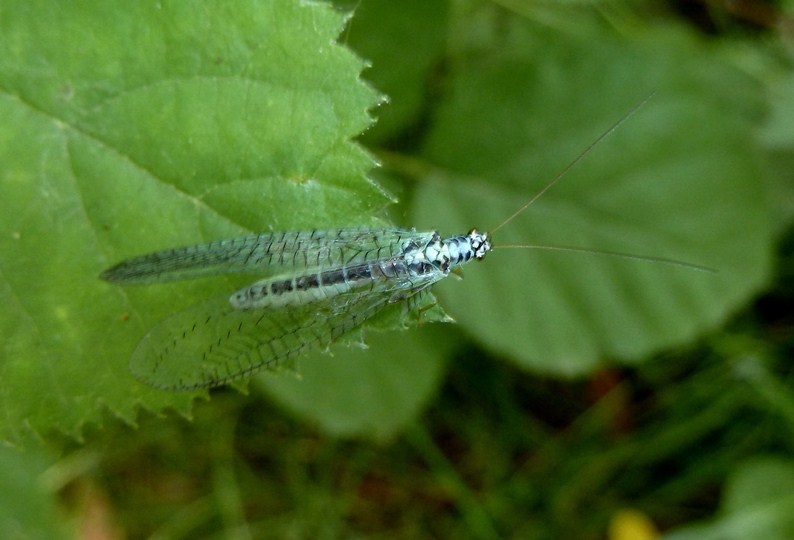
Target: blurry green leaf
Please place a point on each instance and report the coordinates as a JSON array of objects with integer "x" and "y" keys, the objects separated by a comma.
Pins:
[
  {"x": 681, "y": 179},
  {"x": 403, "y": 41},
  {"x": 758, "y": 503},
  {"x": 27, "y": 508},
  {"x": 132, "y": 127},
  {"x": 372, "y": 391},
  {"x": 779, "y": 131},
  {"x": 778, "y": 137}
]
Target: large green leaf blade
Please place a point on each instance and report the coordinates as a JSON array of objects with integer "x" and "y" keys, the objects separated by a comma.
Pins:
[
  {"x": 679, "y": 180},
  {"x": 126, "y": 131}
]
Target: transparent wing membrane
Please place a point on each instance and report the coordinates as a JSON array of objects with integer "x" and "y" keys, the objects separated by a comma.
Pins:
[
  {"x": 212, "y": 343},
  {"x": 264, "y": 254}
]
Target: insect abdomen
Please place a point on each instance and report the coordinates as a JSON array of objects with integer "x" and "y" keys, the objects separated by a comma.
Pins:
[{"x": 277, "y": 292}]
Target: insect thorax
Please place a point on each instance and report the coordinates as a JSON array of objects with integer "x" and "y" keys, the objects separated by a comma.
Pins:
[{"x": 442, "y": 254}]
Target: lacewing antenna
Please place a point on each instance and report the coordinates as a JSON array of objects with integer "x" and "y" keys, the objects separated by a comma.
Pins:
[
  {"x": 645, "y": 258},
  {"x": 573, "y": 163},
  {"x": 547, "y": 187}
]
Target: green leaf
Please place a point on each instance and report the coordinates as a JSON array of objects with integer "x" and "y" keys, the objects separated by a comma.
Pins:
[
  {"x": 126, "y": 128},
  {"x": 778, "y": 137},
  {"x": 372, "y": 391},
  {"x": 27, "y": 506},
  {"x": 681, "y": 179},
  {"x": 757, "y": 504}
]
